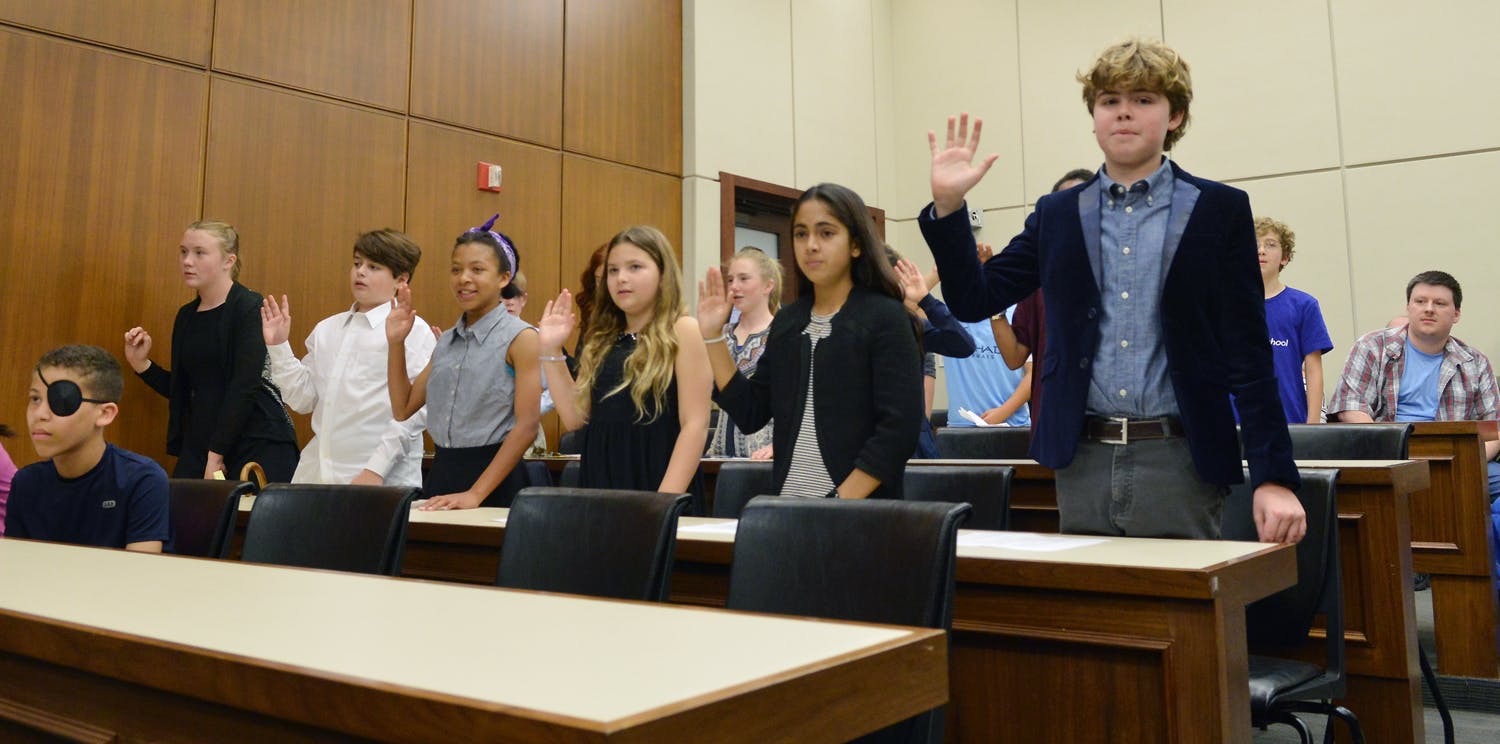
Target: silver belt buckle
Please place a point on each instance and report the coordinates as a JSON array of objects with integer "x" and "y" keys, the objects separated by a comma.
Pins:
[{"x": 1124, "y": 431}]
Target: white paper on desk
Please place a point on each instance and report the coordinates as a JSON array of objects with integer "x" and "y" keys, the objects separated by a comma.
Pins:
[
  {"x": 501, "y": 520},
  {"x": 721, "y": 528},
  {"x": 1023, "y": 541},
  {"x": 973, "y": 417}
]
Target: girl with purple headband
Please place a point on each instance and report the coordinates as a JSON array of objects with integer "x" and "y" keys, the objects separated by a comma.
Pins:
[{"x": 483, "y": 386}]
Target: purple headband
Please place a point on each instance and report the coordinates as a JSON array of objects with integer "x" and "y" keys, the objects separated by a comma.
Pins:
[{"x": 510, "y": 252}]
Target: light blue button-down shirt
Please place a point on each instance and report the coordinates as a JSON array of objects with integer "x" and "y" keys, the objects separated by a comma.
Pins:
[{"x": 1130, "y": 369}]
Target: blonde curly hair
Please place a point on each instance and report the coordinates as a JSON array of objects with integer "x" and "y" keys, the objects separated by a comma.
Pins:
[
  {"x": 1142, "y": 64},
  {"x": 1284, "y": 235}
]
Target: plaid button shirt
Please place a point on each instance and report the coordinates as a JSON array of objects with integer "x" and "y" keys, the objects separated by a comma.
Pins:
[{"x": 1466, "y": 383}]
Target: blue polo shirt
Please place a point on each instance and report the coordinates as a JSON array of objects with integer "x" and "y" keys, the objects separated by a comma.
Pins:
[{"x": 122, "y": 500}]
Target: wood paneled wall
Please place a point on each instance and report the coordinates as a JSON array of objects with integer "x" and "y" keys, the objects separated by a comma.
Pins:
[{"x": 305, "y": 124}]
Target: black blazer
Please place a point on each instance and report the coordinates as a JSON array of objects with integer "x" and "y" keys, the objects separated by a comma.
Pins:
[
  {"x": 1213, "y": 322},
  {"x": 868, "y": 390},
  {"x": 252, "y": 407}
]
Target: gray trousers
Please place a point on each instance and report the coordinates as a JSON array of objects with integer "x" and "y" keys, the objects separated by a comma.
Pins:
[{"x": 1148, "y": 488}]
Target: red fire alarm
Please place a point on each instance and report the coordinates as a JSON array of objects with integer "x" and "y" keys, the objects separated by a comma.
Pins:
[{"x": 489, "y": 177}]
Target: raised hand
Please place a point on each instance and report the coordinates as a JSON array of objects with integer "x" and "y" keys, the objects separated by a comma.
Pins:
[
  {"x": 275, "y": 321},
  {"x": 986, "y": 252},
  {"x": 913, "y": 286},
  {"x": 402, "y": 317},
  {"x": 954, "y": 172},
  {"x": 713, "y": 302},
  {"x": 138, "y": 348},
  {"x": 556, "y": 325}
]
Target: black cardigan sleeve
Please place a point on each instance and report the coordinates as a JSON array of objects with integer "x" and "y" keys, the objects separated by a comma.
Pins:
[
  {"x": 896, "y": 378},
  {"x": 747, "y": 400},
  {"x": 942, "y": 333},
  {"x": 247, "y": 359}
]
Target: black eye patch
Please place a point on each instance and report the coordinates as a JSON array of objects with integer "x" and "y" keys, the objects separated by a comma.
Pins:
[{"x": 64, "y": 397}]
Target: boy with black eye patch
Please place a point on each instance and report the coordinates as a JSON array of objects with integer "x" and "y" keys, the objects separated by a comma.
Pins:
[{"x": 85, "y": 491}]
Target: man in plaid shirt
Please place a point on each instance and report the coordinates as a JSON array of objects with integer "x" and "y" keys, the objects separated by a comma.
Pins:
[{"x": 1419, "y": 371}]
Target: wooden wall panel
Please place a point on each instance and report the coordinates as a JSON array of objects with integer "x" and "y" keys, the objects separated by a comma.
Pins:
[
  {"x": 354, "y": 49},
  {"x": 101, "y": 169},
  {"x": 600, "y": 199},
  {"x": 493, "y": 67},
  {"x": 301, "y": 178},
  {"x": 175, "y": 29},
  {"x": 443, "y": 202},
  {"x": 622, "y": 96}
]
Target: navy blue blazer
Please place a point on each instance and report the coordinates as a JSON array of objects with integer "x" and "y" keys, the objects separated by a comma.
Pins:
[{"x": 1212, "y": 309}]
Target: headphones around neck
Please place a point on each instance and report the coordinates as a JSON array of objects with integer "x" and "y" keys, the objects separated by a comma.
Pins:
[{"x": 64, "y": 397}]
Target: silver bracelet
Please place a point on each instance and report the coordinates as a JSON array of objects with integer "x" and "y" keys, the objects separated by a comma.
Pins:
[
  {"x": 558, "y": 358},
  {"x": 715, "y": 340}
]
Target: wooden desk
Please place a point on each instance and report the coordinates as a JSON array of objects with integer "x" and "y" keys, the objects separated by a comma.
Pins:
[
  {"x": 98, "y": 643},
  {"x": 1140, "y": 640},
  {"x": 1449, "y": 533},
  {"x": 1375, "y": 532}
]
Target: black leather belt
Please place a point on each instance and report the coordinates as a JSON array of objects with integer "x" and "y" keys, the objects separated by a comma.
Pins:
[{"x": 1124, "y": 431}]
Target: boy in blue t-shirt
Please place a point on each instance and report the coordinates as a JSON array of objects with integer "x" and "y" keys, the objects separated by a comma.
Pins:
[
  {"x": 983, "y": 384},
  {"x": 86, "y": 491},
  {"x": 1299, "y": 338}
]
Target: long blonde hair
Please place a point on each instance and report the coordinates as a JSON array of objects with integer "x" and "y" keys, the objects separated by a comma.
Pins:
[{"x": 651, "y": 366}]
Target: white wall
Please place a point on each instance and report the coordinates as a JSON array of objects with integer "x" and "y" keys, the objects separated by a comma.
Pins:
[{"x": 1366, "y": 125}]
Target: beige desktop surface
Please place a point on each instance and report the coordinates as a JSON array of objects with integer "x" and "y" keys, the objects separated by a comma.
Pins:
[{"x": 589, "y": 659}]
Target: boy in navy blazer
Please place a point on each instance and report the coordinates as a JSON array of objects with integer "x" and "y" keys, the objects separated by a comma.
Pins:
[{"x": 1155, "y": 316}]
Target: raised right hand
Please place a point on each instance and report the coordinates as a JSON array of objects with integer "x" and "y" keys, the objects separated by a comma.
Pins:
[
  {"x": 713, "y": 302},
  {"x": 275, "y": 321},
  {"x": 399, "y": 323},
  {"x": 954, "y": 172},
  {"x": 138, "y": 349},
  {"x": 556, "y": 325},
  {"x": 986, "y": 252}
]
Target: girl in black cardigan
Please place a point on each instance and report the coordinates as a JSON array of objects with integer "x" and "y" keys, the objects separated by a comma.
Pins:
[
  {"x": 224, "y": 411},
  {"x": 847, "y": 347}
]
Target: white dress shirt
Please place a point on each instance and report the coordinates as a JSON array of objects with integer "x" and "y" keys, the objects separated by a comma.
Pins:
[{"x": 342, "y": 381}]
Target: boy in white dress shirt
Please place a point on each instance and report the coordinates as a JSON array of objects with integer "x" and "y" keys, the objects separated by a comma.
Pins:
[{"x": 342, "y": 379}]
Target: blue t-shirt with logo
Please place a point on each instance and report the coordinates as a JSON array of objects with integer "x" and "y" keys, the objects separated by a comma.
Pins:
[
  {"x": 1295, "y": 324},
  {"x": 1417, "y": 397},
  {"x": 122, "y": 500},
  {"x": 982, "y": 381}
]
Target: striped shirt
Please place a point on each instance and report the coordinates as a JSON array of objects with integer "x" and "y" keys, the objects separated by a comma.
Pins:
[{"x": 808, "y": 475}]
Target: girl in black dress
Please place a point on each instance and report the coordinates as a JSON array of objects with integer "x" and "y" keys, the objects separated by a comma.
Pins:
[
  {"x": 224, "y": 410},
  {"x": 643, "y": 376}
]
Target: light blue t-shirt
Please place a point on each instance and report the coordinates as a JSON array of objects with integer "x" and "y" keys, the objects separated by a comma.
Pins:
[
  {"x": 1417, "y": 398},
  {"x": 982, "y": 381}
]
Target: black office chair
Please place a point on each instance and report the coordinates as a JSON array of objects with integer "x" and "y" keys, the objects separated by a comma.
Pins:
[
  {"x": 939, "y": 418},
  {"x": 537, "y": 473},
  {"x": 343, "y": 528},
  {"x": 1350, "y": 441},
  {"x": 877, "y": 561},
  {"x": 1282, "y": 687},
  {"x": 984, "y": 487},
  {"x": 602, "y": 543},
  {"x": 738, "y": 482},
  {"x": 1383, "y": 441},
  {"x": 568, "y": 478},
  {"x": 203, "y": 513},
  {"x": 984, "y": 443}
]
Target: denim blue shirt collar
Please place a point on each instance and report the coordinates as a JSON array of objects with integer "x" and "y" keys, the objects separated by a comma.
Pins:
[
  {"x": 483, "y": 327},
  {"x": 1157, "y": 186}
]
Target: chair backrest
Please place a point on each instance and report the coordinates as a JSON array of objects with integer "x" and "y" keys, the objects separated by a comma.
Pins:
[
  {"x": 602, "y": 543},
  {"x": 984, "y": 443},
  {"x": 880, "y": 561},
  {"x": 939, "y": 418},
  {"x": 568, "y": 478},
  {"x": 1280, "y": 622},
  {"x": 537, "y": 473},
  {"x": 339, "y": 527},
  {"x": 740, "y": 481},
  {"x": 984, "y": 487},
  {"x": 1350, "y": 441},
  {"x": 203, "y": 514}
]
